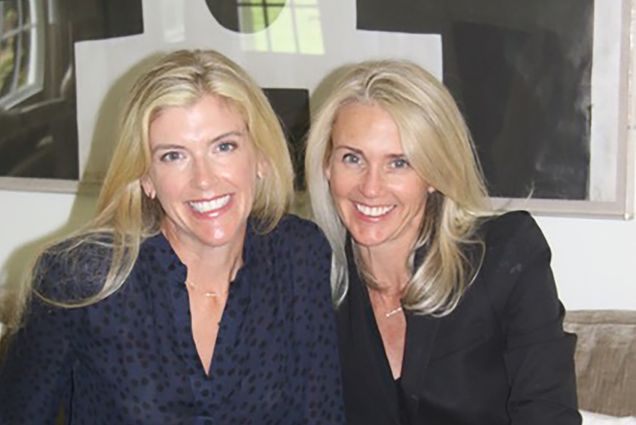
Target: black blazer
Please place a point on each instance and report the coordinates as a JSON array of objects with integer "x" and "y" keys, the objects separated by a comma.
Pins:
[{"x": 501, "y": 357}]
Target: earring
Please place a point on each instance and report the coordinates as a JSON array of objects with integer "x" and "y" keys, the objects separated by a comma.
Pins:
[{"x": 430, "y": 189}]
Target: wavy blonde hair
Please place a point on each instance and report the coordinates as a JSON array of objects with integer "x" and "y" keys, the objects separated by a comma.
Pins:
[
  {"x": 124, "y": 215},
  {"x": 438, "y": 146}
]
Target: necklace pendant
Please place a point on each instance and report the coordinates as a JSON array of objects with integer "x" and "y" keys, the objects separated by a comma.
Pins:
[{"x": 210, "y": 294}]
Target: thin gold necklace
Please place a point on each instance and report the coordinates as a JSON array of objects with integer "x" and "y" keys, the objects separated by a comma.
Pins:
[{"x": 393, "y": 312}]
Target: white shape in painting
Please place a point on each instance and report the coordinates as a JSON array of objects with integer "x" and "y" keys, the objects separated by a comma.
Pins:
[{"x": 104, "y": 66}]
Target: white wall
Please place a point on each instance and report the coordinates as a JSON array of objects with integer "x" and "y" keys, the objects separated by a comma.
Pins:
[
  {"x": 594, "y": 260},
  {"x": 30, "y": 219}
]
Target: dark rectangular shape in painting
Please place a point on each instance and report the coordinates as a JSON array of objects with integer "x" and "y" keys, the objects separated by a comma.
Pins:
[
  {"x": 292, "y": 108},
  {"x": 521, "y": 73}
]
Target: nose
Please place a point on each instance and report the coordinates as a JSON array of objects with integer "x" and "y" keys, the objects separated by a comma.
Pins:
[
  {"x": 372, "y": 182},
  {"x": 202, "y": 174}
]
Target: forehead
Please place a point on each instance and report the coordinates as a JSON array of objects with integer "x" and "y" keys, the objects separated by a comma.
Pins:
[
  {"x": 367, "y": 127},
  {"x": 206, "y": 116},
  {"x": 208, "y": 102}
]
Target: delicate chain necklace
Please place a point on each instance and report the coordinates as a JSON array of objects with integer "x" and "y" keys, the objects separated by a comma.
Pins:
[
  {"x": 207, "y": 294},
  {"x": 393, "y": 312}
]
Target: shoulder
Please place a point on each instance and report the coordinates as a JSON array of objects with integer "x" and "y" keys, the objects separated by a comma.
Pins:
[
  {"x": 515, "y": 230},
  {"x": 296, "y": 231},
  {"x": 516, "y": 264},
  {"x": 514, "y": 247},
  {"x": 301, "y": 244},
  {"x": 291, "y": 223},
  {"x": 305, "y": 252},
  {"x": 74, "y": 268}
]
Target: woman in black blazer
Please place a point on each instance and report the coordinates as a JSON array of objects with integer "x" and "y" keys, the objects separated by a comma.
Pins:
[{"x": 448, "y": 313}]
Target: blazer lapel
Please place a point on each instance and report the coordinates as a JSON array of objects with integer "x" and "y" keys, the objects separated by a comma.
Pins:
[
  {"x": 420, "y": 337},
  {"x": 421, "y": 332}
]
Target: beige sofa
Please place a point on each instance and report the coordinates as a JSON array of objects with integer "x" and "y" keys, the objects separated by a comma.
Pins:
[{"x": 605, "y": 360}]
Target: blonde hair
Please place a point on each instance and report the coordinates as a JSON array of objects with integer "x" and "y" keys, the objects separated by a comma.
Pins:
[
  {"x": 124, "y": 215},
  {"x": 438, "y": 146}
]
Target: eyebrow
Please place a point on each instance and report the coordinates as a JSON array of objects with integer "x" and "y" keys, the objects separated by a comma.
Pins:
[
  {"x": 359, "y": 152},
  {"x": 347, "y": 147},
  {"x": 167, "y": 146}
]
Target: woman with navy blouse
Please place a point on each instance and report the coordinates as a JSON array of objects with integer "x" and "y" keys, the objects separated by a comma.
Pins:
[{"x": 190, "y": 298}]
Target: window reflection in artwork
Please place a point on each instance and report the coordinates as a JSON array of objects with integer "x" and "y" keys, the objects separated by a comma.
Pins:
[
  {"x": 20, "y": 50},
  {"x": 257, "y": 15},
  {"x": 298, "y": 27},
  {"x": 38, "y": 136}
]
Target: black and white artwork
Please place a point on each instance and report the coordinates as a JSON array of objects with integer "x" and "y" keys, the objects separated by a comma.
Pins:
[{"x": 543, "y": 84}]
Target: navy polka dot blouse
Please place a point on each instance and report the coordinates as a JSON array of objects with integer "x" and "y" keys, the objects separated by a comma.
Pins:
[{"x": 131, "y": 359}]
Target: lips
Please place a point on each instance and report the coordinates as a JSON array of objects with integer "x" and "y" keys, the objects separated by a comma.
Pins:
[
  {"x": 211, "y": 205},
  {"x": 374, "y": 211}
]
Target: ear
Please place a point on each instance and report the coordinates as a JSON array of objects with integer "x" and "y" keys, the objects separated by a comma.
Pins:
[
  {"x": 262, "y": 168},
  {"x": 327, "y": 170},
  {"x": 148, "y": 186}
]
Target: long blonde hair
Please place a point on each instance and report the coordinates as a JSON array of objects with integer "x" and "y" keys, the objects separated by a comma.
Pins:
[
  {"x": 438, "y": 146},
  {"x": 124, "y": 215}
]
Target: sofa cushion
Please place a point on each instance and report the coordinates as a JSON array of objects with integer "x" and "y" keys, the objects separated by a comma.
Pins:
[{"x": 605, "y": 360}]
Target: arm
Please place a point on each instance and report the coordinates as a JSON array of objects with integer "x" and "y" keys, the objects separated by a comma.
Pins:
[
  {"x": 35, "y": 375},
  {"x": 317, "y": 387},
  {"x": 539, "y": 355}
]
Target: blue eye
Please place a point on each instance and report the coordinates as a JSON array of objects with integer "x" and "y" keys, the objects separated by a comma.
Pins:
[
  {"x": 400, "y": 163},
  {"x": 171, "y": 156},
  {"x": 350, "y": 158},
  {"x": 226, "y": 147}
]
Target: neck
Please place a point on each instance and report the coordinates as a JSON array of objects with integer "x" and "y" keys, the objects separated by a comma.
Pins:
[
  {"x": 390, "y": 270},
  {"x": 209, "y": 268}
]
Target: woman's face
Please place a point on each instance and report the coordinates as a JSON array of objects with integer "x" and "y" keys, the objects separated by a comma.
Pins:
[
  {"x": 379, "y": 197},
  {"x": 203, "y": 171}
]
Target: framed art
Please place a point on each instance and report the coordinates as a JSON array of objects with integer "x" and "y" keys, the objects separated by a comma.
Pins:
[
  {"x": 39, "y": 146},
  {"x": 544, "y": 85}
]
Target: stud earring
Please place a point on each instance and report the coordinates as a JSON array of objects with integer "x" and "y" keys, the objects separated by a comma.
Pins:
[{"x": 430, "y": 189}]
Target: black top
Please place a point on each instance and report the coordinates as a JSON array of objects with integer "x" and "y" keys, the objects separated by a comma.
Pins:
[
  {"x": 500, "y": 358},
  {"x": 131, "y": 358}
]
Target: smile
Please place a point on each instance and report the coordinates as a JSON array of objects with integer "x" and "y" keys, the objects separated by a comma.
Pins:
[
  {"x": 211, "y": 205},
  {"x": 373, "y": 211}
]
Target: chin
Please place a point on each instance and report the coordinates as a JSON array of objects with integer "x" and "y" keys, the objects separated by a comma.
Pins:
[{"x": 364, "y": 239}]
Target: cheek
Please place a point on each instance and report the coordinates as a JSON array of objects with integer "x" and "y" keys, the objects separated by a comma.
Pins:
[
  {"x": 241, "y": 175},
  {"x": 168, "y": 186},
  {"x": 414, "y": 194},
  {"x": 339, "y": 182}
]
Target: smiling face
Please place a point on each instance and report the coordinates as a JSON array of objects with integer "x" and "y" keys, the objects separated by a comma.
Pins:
[
  {"x": 379, "y": 197},
  {"x": 203, "y": 171}
]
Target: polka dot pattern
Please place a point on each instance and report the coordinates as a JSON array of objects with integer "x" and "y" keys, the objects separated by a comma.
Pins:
[{"x": 131, "y": 359}]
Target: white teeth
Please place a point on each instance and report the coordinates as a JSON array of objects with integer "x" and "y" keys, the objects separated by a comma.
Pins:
[
  {"x": 212, "y": 205},
  {"x": 373, "y": 211}
]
